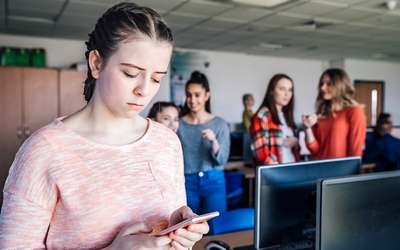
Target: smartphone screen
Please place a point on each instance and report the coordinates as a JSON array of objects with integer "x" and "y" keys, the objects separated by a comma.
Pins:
[{"x": 187, "y": 222}]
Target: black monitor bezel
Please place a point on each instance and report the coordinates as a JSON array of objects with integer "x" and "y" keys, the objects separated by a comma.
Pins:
[
  {"x": 343, "y": 180},
  {"x": 257, "y": 189}
]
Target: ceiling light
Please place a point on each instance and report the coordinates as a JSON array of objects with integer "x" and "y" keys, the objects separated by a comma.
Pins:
[
  {"x": 391, "y": 4},
  {"x": 271, "y": 46},
  {"x": 312, "y": 25},
  {"x": 31, "y": 19},
  {"x": 262, "y": 3},
  {"x": 379, "y": 55}
]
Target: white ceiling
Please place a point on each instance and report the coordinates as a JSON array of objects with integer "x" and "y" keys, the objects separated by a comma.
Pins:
[{"x": 343, "y": 28}]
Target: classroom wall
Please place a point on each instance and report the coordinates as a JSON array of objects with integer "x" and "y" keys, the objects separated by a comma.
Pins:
[
  {"x": 380, "y": 71},
  {"x": 233, "y": 74},
  {"x": 60, "y": 52}
]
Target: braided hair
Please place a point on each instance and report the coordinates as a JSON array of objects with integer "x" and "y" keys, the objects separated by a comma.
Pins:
[{"x": 118, "y": 23}]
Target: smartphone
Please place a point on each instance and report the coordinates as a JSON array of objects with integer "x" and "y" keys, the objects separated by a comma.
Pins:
[{"x": 187, "y": 222}]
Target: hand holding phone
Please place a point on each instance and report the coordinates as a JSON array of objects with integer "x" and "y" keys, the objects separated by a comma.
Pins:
[{"x": 195, "y": 219}]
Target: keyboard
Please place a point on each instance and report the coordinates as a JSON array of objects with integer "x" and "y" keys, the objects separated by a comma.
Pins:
[{"x": 298, "y": 245}]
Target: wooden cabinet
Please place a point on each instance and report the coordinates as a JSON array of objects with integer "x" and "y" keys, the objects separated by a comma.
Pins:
[
  {"x": 11, "y": 119},
  {"x": 40, "y": 101},
  {"x": 71, "y": 98},
  {"x": 29, "y": 99}
]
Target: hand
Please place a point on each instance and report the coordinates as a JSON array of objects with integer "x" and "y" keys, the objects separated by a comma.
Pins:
[
  {"x": 209, "y": 135},
  {"x": 290, "y": 142},
  {"x": 185, "y": 238},
  {"x": 309, "y": 120},
  {"x": 135, "y": 237}
]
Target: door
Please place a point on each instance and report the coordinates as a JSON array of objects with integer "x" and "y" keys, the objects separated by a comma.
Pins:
[
  {"x": 71, "y": 91},
  {"x": 370, "y": 93},
  {"x": 10, "y": 120},
  {"x": 40, "y": 102}
]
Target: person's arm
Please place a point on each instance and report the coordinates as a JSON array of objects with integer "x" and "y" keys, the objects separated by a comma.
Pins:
[
  {"x": 357, "y": 132},
  {"x": 310, "y": 124},
  {"x": 260, "y": 145},
  {"x": 311, "y": 142},
  {"x": 221, "y": 145},
  {"x": 180, "y": 178},
  {"x": 372, "y": 150},
  {"x": 29, "y": 198},
  {"x": 246, "y": 118}
]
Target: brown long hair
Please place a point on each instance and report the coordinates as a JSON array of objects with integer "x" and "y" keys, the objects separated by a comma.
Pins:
[
  {"x": 269, "y": 101},
  {"x": 342, "y": 87}
]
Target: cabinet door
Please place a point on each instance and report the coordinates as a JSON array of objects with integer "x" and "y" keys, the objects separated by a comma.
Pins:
[
  {"x": 40, "y": 102},
  {"x": 10, "y": 120},
  {"x": 71, "y": 91}
]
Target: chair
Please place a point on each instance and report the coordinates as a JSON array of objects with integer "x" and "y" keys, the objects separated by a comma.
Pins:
[
  {"x": 233, "y": 220},
  {"x": 234, "y": 182}
]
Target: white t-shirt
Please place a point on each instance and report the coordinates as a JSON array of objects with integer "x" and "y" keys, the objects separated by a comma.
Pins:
[{"x": 287, "y": 154}]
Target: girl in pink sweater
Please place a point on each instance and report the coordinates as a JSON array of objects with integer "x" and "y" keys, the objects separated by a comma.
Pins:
[{"x": 103, "y": 177}]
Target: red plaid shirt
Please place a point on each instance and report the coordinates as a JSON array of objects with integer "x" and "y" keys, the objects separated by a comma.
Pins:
[{"x": 267, "y": 139}]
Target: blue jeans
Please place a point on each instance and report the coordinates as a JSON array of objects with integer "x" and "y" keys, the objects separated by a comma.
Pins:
[{"x": 205, "y": 191}]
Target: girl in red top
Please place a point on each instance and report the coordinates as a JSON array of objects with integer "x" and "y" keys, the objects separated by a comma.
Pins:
[
  {"x": 339, "y": 127},
  {"x": 272, "y": 127}
]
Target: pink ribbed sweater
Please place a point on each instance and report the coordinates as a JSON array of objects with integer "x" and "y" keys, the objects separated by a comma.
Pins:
[{"x": 66, "y": 192}]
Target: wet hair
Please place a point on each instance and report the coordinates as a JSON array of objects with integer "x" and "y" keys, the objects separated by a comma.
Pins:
[
  {"x": 269, "y": 101},
  {"x": 245, "y": 97},
  {"x": 383, "y": 118},
  {"x": 158, "y": 108},
  {"x": 201, "y": 79},
  {"x": 118, "y": 23},
  {"x": 342, "y": 88}
]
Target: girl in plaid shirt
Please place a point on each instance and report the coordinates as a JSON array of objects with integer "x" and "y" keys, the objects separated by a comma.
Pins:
[{"x": 272, "y": 127}]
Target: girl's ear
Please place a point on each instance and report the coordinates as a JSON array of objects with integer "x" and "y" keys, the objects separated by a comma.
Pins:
[
  {"x": 95, "y": 63},
  {"x": 208, "y": 94}
]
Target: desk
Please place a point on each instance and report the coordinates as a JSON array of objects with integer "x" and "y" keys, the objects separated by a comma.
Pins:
[
  {"x": 249, "y": 175},
  {"x": 235, "y": 239}
]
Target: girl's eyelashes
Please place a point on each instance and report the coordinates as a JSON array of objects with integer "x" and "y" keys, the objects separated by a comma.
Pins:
[
  {"x": 130, "y": 75},
  {"x": 156, "y": 80}
]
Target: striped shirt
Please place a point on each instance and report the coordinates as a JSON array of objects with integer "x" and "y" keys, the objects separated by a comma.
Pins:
[{"x": 66, "y": 192}]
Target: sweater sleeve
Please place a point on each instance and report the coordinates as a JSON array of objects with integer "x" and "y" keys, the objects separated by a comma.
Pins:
[
  {"x": 260, "y": 144},
  {"x": 180, "y": 177},
  {"x": 357, "y": 132},
  {"x": 224, "y": 140},
  {"x": 29, "y": 198},
  {"x": 314, "y": 146}
]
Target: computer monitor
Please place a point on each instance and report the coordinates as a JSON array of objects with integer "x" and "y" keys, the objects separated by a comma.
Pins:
[
  {"x": 236, "y": 146},
  {"x": 361, "y": 212},
  {"x": 286, "y": 199}
]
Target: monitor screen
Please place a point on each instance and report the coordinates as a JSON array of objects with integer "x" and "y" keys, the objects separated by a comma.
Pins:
[
  {"x": 236, "y": 146},
  {"x": 286, "y": 199},
  {"x": 361, "y": 212}
]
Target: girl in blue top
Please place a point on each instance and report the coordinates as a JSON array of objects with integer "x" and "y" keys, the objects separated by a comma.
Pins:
[{"x": 205, "y": 141}]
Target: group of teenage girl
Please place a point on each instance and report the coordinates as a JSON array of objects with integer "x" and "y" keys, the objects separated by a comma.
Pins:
[
  {"x": 105, "y": 178},
  {"x": 337, "y": 129}
]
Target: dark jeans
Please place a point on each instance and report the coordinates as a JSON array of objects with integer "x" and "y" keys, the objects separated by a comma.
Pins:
[{"x": 205, "y": 191}]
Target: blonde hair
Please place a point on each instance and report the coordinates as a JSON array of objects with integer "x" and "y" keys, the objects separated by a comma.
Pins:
[{"x": 342, "y": 91}]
